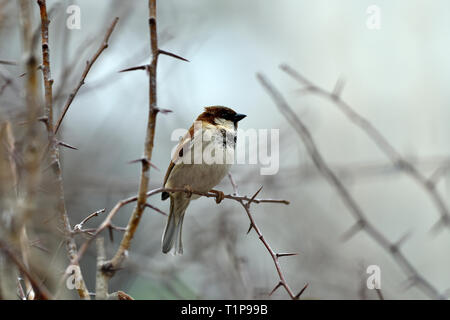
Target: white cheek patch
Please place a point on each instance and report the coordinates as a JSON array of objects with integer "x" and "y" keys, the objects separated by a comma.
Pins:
[{"x": 224, "y": 123}]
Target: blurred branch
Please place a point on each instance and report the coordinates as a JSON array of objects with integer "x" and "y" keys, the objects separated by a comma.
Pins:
[
  {"x": 31, "y": 154},
  {"x": 275, "y": 256},
  {"x": 362, "y": 222},
  {"x": 88, "y": 67},
  {"x": 357, "y": 170},
  {"x": 380, "y": 141},
  {"x": 40, "y": 290},
  {"x": 17, "y": 234},
  {"x": 79, "y": 226}
]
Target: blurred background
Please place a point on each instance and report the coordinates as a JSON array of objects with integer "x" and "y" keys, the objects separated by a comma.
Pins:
[{"x": 396, "y": 76}]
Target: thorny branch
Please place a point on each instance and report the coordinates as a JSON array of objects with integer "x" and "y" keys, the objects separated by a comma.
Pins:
[
  {"x": 149, "y": 142},
  {"x": 362, "y": 222},
  {"x": 275, "y": 256},
  {"x": 383, "y": 144},
  {"x": 88, "y": 67},
  {"x": 54, "y": 145},
  {"x": 27, "y": 208},
  {"x": 40, "y": 290}
]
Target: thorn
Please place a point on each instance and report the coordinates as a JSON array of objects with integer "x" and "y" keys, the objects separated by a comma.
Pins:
[
  {"x": 37, "y": 244},
  {"x": 61, "y": 143},
  {"x": 144, "y": 67},
  {"x": 170, "y": 54},
  {"x": 296, "y": 75},
  {"x": 49, "y": 166},
  {"x": 250, "y": 228},
  {"x": 276, "y": 288},
  {"x": 163, "y": 111},
  {"x": 156, "y": 209},
  {"x": 338, "y": 87},
  {"x": 43, "y": 119},
  {"x": 144, "y": 160},
  {"x": 350, "y": 233},
  {"x": 402, "y": 240},
  {"x": 301, "y": 292},
  {"x": 279, "y": 255}
]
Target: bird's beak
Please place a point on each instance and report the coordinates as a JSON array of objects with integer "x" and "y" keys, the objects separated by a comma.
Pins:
[{"x": 239, "y": 117}]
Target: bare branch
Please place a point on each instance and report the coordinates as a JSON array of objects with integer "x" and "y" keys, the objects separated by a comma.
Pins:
[
  {"x": 40, "y": 290},
  {"x": 272, "y": 253},
  {"x": 170, "y": 54},
  {"x": 426, "y": 287},
  {"x": 108, "y": 220},
  {"x": 380, "y": 141},
  {"x": 88, "y": 67},
  {"x": 93, "y": 214}
]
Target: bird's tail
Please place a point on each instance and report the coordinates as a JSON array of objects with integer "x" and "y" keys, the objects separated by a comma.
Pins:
[{"x": 172, "y": 234}]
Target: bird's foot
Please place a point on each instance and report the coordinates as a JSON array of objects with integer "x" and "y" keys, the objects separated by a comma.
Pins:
[
  {"x": 219, "y": 195},
  {"x": 188, "y": 190}
]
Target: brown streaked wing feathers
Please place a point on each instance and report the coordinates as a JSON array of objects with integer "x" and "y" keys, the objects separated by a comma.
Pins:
[{"x": 177, "y": 155}]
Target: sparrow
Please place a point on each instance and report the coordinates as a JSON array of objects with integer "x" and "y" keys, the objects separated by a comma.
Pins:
[{"x": 214, "y": 129}]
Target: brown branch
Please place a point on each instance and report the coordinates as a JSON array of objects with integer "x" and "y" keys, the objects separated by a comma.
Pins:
[
  {"x": 53, "y": 145},
  {"x": 362, "y": 221},
  {"x": 107, "y": 222},
  {"x": 275, "y": 256},
  {"x": 79, "y": 226},
  {"x": 88, "y": 67},
  {"x": 31, "y": 157},
  {"x": 149, "y": 140},
  {"x": 40, "y": 290},
  {"x": 48, "y": 82},
  {"x": 8, "y": 63},
  {"x": 101, "y": 284},
  {"x": 380, "y": 141}
]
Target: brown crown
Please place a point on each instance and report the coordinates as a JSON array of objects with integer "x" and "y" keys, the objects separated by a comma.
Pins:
[{"x": 213, "y": 112}]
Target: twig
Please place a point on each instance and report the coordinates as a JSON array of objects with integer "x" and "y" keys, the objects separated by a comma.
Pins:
[
  {"x": 79, "y": 226},
  {"x": 88, "y": 67},
  {"x": 275, "y": 256},
  {"x": 362, "y": 222},
  {"x": 31, "y": 157},
  {"x": 31, "y": 152},
  {"x": 380, "y": 141},
  {"x": 40, "y": 290}
]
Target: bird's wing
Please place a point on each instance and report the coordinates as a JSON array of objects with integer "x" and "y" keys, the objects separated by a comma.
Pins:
[{"x": 187, "y": 139}]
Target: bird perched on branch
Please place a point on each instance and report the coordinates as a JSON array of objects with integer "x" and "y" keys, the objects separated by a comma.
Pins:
[{"x": 200, "y": 161}]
